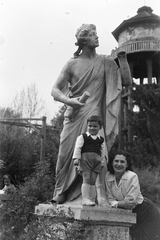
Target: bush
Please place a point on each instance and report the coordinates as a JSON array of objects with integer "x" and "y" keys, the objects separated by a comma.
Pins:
[
  {"x": 16, "y": 225},
  {"x": 150, "y": 183},
  {"x": 17, "y": 218},
  {"x": 15, "y": 215},
  {"x": 145, "y": 125},
  {"x": 58, "y": 227}
]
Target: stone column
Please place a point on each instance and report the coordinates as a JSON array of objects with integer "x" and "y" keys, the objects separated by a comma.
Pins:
[{"x": 149, "y": 70}]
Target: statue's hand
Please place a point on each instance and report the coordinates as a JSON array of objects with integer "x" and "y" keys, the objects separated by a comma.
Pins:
[
  {"x": 75, "y": 103},
  {"x": 124, "y": 69}
]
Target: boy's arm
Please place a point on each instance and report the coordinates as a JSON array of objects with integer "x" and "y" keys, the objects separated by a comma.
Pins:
[
  {"x": 103, "y": 154},
  {"x": 78, "y": 147}
]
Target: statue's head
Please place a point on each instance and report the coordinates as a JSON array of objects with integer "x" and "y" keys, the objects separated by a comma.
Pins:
[{"x": 82, "y": 33}]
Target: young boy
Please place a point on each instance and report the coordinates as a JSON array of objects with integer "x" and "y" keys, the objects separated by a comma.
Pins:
[{"x": 89, "y": 156}]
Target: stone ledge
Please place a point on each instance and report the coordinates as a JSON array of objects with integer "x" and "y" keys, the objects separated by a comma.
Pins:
[
  {"x": 101, "y": 223},
  {"x": 107, "y": 215}
]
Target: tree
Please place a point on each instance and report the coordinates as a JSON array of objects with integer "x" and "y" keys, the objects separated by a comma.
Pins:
[
  {"x": 20, "y": 147},
  {"x": 146, "y": 125},
  {"x": 28, "y": 103}
]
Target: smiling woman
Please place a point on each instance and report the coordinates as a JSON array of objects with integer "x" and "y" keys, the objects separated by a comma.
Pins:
[
  {"x": 9, "y": 187},
  {"x": 123, "y": 191},
  {"x": 8, "y": 190},
  {"x": 119, "y": 166}
]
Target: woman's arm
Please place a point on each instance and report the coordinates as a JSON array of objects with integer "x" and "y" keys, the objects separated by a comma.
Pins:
[
  {"x": 132, "y": 188},
  {"x": 111, "y": 199},
  {"x": 10, "y": 189},
  {"x": 132, "y": 192},
  {"x": 126, "y": 204}
]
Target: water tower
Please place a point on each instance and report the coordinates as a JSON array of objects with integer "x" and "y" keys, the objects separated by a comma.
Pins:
[{"x": 139, "y": 37}]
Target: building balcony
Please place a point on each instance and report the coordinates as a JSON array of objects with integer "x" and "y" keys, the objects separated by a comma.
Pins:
[{"x": 138, "y": 46}]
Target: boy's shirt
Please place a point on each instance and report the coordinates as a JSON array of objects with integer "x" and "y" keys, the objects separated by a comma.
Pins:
[{"x": 79, "y": 145}]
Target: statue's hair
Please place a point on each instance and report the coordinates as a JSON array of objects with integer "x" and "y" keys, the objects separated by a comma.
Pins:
[{"x": 81, "y": 35}]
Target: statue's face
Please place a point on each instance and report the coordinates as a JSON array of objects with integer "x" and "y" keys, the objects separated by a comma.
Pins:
[{"x": 92, "y": 39}]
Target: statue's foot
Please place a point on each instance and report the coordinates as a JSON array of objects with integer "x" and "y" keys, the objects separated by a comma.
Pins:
[
  {"x": 103, "y": 202},
  {"x": 59, "y": 199},
  {"x": 87, "y": 202}
]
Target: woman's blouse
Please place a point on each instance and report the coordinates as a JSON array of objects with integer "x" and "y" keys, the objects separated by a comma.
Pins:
[
  {"x": 9, "y": 189},
  {"x": 127, "y": 189}
]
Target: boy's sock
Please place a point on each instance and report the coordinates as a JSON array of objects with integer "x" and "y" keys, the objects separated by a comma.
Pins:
[
  {"x": 93, "y": 193},
  {"x": 86, "y": 201}
]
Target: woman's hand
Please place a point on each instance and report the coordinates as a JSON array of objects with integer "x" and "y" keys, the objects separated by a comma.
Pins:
[
  {"x": 127, "y": 204},
  {"x": 130, "y": 203}
]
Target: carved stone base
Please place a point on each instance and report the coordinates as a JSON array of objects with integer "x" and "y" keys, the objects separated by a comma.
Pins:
[{"x": 104, "y": 223}]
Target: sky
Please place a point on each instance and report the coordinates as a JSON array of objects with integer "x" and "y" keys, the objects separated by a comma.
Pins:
[{"x": 37, "y": 38}]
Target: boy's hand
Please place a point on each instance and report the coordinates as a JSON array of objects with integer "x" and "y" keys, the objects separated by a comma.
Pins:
[{"x": 76, "y": 162}]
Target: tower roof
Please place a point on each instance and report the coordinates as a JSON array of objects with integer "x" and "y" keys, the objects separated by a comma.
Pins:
[{"x": 144, "y": 14}]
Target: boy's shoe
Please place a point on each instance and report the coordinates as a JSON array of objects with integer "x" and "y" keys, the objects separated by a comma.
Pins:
[{"x": 87, "y": 202}]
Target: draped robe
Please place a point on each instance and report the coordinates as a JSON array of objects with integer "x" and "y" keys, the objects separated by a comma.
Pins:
[{"x": 102, "y": 80}]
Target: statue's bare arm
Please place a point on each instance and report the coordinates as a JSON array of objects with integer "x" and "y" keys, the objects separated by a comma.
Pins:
[{"x": 65, "y": 77}]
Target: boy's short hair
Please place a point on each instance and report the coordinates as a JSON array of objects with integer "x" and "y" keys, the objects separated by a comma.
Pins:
[{"x": 95, "y": 118}]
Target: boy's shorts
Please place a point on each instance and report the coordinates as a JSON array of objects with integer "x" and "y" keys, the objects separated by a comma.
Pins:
[{"x": 90, "y": 162}]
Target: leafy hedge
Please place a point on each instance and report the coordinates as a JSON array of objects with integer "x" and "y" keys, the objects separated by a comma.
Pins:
[
  {"x": 145, "y": 124},
  {"x": 150, "y": 183},
  {"x": 17, "y": 218}
]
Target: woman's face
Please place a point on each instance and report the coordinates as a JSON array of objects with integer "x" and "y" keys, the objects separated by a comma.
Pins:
[
  {"x": 119, "y": 164},
  {"x": 7, "y": 181}
]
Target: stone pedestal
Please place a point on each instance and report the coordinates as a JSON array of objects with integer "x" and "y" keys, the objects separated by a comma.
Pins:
[
  {"x": 5, "y": 197},
  {"x": 103, "y": 223}
]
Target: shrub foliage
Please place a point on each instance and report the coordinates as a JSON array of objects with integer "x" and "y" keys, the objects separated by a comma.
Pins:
[{"x": 145, "y": 125}]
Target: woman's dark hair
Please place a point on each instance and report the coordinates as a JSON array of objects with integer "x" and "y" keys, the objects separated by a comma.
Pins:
[{"x": 112, "y": 156}]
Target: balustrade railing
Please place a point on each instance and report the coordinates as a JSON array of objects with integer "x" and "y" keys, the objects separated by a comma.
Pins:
[{"x": 137, "y": 46}]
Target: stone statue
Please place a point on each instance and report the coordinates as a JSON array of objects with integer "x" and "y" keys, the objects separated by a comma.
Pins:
[{"x": 100, "y": 76}]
